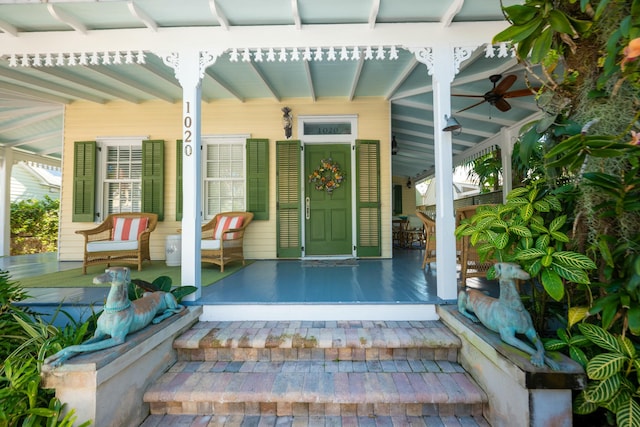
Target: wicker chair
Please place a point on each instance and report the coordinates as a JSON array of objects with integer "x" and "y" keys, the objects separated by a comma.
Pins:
[
  {"x": 223, "y": 238},
  {"x": 121, "y": 238},
  {"x": 430, "y": 239},
  {"x": 470, "y": 264}
]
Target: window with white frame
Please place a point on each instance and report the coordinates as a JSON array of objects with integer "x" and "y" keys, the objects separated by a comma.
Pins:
[
  {"x": 224, "y": 173},
  {"x": 121, "y": 167}
]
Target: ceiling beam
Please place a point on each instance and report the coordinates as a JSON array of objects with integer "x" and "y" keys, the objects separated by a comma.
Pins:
[
  {"x": 422, "y": 146},
  {"x": 15, "y": 111},
  {"x": 142, "y": 16},
  {"x": 296, "y": 14},
  {"x": 482, "y": 117},
  {"x": 36, "y": 138},
  {"x": 312, "y": 90},
  {"x": 400, "y": 79},
  {"x": 88, "y": 83},
  {"x": 210, "y": 74},
  {"x": 218, "y": 15},
  {"x": 29, "y": 120},
  {"x": 161, "y": 72},
  {"x": 413, "y": 104},
  {"x": 52, "y": 150},
  {"x": 273, "y": 36},
  {"x": 264, "y": 79},
  {"x": 373, "y": 13},
  {"x": 451, "y": 12},
  {"x": 48, "y": 85},
  {"x": 356, "y": 78},
  {"x": 36, "y": 94},
  {"x": 484, "y": 75},
  {"x": 8, "y": 28},
  {"x": 414, "y": 120},
  {"x": 121, "y": 78},
  {"x": 66, "y": 19}
]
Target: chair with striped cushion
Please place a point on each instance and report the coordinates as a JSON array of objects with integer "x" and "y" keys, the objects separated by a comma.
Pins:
[
  {"x": 121, "y": 239},
  {"x": 222, "y": 238}
]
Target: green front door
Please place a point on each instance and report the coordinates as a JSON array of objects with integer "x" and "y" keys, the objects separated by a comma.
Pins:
[{"x": 328, "y": 214}]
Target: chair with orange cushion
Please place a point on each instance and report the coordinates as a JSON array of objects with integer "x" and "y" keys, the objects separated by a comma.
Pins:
[
  {"x": 222, "y": 238},
  {"x": 122, "y": 238}
]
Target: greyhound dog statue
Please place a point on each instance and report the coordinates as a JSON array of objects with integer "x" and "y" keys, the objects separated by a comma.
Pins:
[
  {"x": 506, "y": 315},
  {"x": 120, "y": 315}
]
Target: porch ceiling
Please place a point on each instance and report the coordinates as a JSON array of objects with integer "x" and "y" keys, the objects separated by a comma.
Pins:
[{"x": 32, "y": 98}]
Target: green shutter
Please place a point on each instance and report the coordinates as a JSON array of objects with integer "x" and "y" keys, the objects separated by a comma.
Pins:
[
  {"x": 397, "y": 199},
  {"x": 179, "y": 180},
  {"x": 84, "y": 181},
  {"x": 368, "y": 198},
  {"x": 258, "y": 178},
  {"x": 153, "y": 177},
  {"x": 288, "y": 199}
]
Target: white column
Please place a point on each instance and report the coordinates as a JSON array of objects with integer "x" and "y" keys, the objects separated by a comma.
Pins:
[
  {"x": 441, "y": 66},
  {"x": 189, "y": 69},
  {"x": 6, "y": 162},
  {"x": 443, "y": 74},
  {"x": 506, "y": 149}
]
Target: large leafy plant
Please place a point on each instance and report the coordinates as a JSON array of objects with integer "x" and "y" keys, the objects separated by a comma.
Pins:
[
  {"x": 25, "y": 340},
  {"x": 614, "y": 374},
  {"x": 531, "y": 230},
  {"x": 585, "y": 53}
]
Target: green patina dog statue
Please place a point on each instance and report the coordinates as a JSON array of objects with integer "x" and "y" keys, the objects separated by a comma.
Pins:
[
  {"x": 121, "y": 316},
  {"x": 506, "y": 315}
]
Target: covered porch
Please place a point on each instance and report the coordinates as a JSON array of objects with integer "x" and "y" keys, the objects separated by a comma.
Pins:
[{"x": 395, "y": 287}]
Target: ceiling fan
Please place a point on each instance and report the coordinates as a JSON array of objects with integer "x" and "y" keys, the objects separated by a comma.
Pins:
[{"x": 497, "y": 95}]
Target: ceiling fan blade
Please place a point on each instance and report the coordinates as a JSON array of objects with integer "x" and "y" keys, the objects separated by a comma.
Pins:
[
  {"x": 471, "y": 106},
  {"x": 502, "y": 105},
  {"x": 521, "y": 92},
  {"x": 468, "y": 96},
  {"x": 505, "y": 84}
]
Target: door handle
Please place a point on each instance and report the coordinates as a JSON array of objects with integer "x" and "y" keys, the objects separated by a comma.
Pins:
[{"x": 307, "y": 208}]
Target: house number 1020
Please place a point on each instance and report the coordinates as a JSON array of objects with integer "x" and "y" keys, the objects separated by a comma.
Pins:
[{"x": 187, "y": 130}]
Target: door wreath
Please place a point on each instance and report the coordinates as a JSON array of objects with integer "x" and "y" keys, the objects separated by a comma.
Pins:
[{"x": 327, "y": 177}]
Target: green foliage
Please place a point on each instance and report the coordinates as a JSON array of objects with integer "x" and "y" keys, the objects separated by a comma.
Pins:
[
  {"x": 614, "y": 375},
  {"x": 539, "y": 29},
  {"x": 138, "y": 287},
  {"x": 529, "y": 230},
  {"x": 584, "y": 54},
  {"x": 34, "y": 226},
  {"x": 487, "y": 171},
  {"x": 25, "y": 340}
]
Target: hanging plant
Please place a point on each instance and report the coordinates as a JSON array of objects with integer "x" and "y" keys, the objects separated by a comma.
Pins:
[{"x": 327, "y": 177}]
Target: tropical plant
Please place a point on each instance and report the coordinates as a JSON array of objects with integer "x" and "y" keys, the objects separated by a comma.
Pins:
[
  {"x": 487, "y": 171},
  {"x": 529, "y": 229},
  {"x": 138, "y": 287},
  {"x": 614, "y": 374},
  {"x": 25, "y": 340},
  {"x": 584, "y": 55}
]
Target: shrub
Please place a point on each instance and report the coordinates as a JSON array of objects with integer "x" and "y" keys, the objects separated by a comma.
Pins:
[{"x": 34, "y": 226}]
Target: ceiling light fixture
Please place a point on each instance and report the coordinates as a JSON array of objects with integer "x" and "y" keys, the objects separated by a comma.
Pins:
[{"x": 452, "y": 125}]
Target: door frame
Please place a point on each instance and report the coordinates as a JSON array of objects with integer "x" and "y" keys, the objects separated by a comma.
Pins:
[{"x": 324, "y": 136}]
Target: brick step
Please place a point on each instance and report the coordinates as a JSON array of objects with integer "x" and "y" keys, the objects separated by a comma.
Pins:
[
  {"x": 317, "y": 340},
  {"x": 311, "y": 421},
  {"x": 305, "y": 388}
]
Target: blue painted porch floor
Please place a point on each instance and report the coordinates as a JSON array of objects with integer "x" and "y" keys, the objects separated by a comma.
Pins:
[{"x": 396, "y": 280}]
